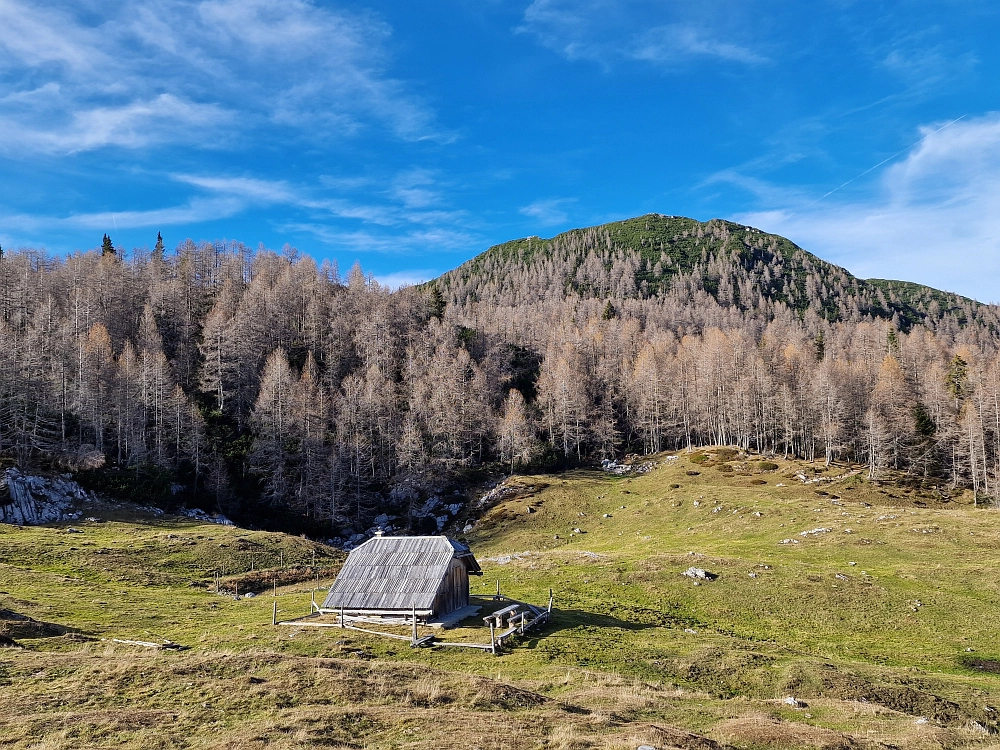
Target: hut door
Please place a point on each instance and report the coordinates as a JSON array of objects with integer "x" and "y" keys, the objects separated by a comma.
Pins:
[{"x": 456, "y": 587}]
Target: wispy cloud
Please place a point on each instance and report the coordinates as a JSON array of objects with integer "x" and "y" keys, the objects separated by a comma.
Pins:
[
  {"x": 410, "y": 197},
  {"x": 665, "y": 34},
  {"x": 400, "y": 213},
  {"x": 933, "y": 217},
  {"x": 406, "y": 277},
  {"x": 414, "y": 189},
  {"x": 404, "y": 242},
  {"x": 193, "y": 212},
  {"x": 173, "y": 71},
  {"x": 547, "y": 212},
  {"x": 265, "y": 191},
  {"x": 673, "y": 42}
]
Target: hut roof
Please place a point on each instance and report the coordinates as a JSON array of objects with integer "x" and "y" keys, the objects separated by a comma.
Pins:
[{"x": 397, "y": 573}]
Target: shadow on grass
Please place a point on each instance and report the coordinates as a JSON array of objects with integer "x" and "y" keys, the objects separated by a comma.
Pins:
[
  {"x": 569, "y": 619},
  {"x": 582, "y": 623},
  {"x": 16, "y": 625}
]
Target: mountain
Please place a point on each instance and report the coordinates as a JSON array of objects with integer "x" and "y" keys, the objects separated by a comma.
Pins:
[{"x": 681, "y": 260}]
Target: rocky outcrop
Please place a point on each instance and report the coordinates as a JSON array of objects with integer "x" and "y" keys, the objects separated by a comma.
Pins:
[{"x": 31, "y": 500}]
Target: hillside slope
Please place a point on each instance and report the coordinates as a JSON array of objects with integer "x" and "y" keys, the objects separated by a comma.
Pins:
[{"x": 663, "y": 257}]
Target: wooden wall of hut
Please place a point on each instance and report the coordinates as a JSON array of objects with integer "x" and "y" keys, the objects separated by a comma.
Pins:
[{"x": 454, "y": 591}]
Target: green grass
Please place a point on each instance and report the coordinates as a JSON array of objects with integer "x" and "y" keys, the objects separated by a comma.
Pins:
[
  {"x": 617, "y": 666},
  {"x": 941, "y": 556}
]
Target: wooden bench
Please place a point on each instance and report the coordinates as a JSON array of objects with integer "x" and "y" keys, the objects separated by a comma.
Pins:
[{"x": 497, "y": 616}]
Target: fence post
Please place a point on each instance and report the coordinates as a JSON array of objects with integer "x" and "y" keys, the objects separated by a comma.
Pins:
[
  {"x": 413, "y": 641},
  {"x": 274, "y": 614}
]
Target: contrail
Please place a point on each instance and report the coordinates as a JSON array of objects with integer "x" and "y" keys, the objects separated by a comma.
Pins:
[
  {"x": 872, "y": 169},
  {"x": 115, "y": 222}
]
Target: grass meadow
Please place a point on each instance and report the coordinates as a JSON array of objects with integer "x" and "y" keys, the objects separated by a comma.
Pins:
[{"x": 874, "y": 605}]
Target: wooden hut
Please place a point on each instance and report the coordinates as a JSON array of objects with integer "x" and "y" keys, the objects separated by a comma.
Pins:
[{"x": 398, "y": 576}]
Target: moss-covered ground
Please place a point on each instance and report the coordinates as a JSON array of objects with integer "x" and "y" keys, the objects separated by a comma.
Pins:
[{"x": 881, "y": 623}]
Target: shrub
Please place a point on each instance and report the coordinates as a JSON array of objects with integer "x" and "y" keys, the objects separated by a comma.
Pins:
[{"x": 767, "y": 465}]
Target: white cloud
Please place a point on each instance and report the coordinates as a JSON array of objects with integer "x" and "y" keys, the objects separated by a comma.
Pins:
[
  {"x": 609, "y": 31},
  {"x": 406, "y": 202},
  {"x": 933, "y": 218},
  {"x": 387, "y": 243},
  {"x": 412, "y": 188},
  {"x": 191, "y": 213},
  {"x": 547, "y": 212},
  {"x": 173, "y": 71},
  {"x": 395, "y": 214},
  {"x": 671, "y": 43},
  {"x": 194, "y": 211},
  {"x": 263, "y": 191},
  {"x": 136, "y": 124},
  {"x": 408, "y": 277}
]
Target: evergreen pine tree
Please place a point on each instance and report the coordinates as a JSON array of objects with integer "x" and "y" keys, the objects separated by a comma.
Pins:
[
  {"x": 892, "y": 342},
  {"x": 436, "y": 304},
  {"x": 107, "y": 248},
  {"x": 158, "y": 250},
  {"x": 957, "y": 378}
]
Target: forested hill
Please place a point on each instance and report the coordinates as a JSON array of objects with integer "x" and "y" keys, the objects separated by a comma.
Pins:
[{"x": 679, "y": 261}]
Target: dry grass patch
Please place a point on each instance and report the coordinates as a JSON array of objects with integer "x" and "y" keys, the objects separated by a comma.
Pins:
[{"x": 759, "y": 731}]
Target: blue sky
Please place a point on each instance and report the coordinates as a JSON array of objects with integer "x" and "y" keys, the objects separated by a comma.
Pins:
[{"x": 411, "y": 136}]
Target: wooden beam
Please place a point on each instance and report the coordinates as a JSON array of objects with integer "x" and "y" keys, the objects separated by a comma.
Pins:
[{"x": 481, "y": 646}]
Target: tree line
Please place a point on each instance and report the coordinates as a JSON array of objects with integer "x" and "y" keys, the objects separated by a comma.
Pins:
[{"x": 262, "y": 381}]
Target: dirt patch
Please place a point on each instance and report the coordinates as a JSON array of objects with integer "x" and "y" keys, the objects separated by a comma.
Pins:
[
  {"x": 764, "y": 731},
  {"x": 16, "y": 625},
  {"x": 493, "y": 695},
  {"x": 260, "y": 581},
  {"x": 676, "y": 737},
  {"x": 78, "y": 638},
  {"x": 726, "y": 673},
  {"x": 981, "y": 665},
  {"x": 915, "y": 699},
  {"x": 659, "y": 735},
  {"x": 726, "y": 454}
]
